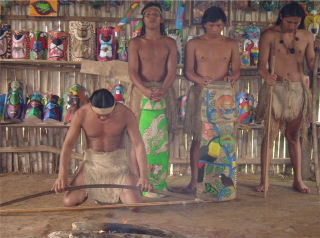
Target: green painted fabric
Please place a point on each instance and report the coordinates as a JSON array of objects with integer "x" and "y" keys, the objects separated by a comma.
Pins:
[{"x": 154, "y": 130}]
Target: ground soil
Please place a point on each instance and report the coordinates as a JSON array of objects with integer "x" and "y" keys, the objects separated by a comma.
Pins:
[{"x": 284, "y": 213}]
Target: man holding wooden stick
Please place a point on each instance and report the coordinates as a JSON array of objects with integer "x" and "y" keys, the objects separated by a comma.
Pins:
[
  {"x": 287, "y": 44},
  {"x": 104, "y": 122}
]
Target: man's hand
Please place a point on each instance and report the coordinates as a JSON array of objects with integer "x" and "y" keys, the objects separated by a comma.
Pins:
[
  {"x": 271, "y": 79},
  {"x": 147, "y": 92},
  {"x": 204, "y": 81},
  {"x": 145, "y": 184},
  {"x": 157, "y": 94},
  {"x": 230, "y": 79},
  {"x": 60, "y": 184}
]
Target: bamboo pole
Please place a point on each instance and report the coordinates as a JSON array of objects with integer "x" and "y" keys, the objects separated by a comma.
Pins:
[
  {"x": 72, "y": 209},
  {"x": 266, "y": 162},
  {"x": 315, "y": 91}
]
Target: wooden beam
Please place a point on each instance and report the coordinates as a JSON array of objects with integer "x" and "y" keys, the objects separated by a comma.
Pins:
[
  {"x": 38, "y": 148},
  {"x": 34, "y": 124}
]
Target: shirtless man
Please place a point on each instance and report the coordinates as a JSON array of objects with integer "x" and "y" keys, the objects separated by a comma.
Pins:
[
  {"x": 289, "y": 45},
  {"x": 152, "y": 70},
  {"x": 104, "y": 122},
  {"x": 208, "y": 59}
]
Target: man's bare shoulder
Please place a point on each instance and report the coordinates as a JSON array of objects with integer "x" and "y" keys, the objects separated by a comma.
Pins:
[
  {"x": 229, "y": 40},
  {"x": 135, "y": 41},
  {"x": 270, "y": 32},
  {"x": 169, "y": 40},
  {"x": 194, "y": 41},
  {"x": 305, "y": 33}
]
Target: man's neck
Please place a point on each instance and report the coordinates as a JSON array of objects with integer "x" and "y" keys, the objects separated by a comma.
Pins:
[
  {"x": 153, "y": 34},
  {"x": 212, "y": 37}
]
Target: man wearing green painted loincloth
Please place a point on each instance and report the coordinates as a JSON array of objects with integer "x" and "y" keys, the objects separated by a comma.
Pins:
[
  {"x": 208, "y": 60},
  {"x": 152, "y": 69}
]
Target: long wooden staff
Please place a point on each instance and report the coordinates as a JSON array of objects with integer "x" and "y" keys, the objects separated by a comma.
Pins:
[
  {"x": 267, "y": 161},
  {"x": 315, "y": 90},
  {"x": 72, "y": 188},
  {"x": 82, "y": 208}
]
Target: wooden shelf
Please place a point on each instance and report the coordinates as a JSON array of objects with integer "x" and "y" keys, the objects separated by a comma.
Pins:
[
  {"x": 252, "y": 23},
  {"x": 75, "y": 18},
  {"x": 35, "y": 124},
  {"x": 44, "y": 65}
]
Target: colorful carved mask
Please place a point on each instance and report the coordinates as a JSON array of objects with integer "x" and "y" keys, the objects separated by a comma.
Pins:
[
  {"x": 52, "y": 110},
  {"x": 5, "y": 41},
  {"x": 74, "y": 98},
  {"x": 58, "y": 45},
  {"x": 14, "y": 101},
  {"x": 83, "y": 41},
  {"x": 34, "y": 108},
  {"x": 43, "y": 7},
  {"x": 123, "y": 50},
  {"x": 20, "y": 45},
  {"x": 2, "y": 105},
  {"x": 106, "y": 44},
  {"x": 118, "y": 93},
  {"x": 38, "y": 45},
  {"x": 245, "y": 104}
]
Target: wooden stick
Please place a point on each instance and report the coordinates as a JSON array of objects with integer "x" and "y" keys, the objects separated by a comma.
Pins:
[
  {"x": 71, "y": 209},
  {"x": 266, "y": 162},
  {"x": 315, "y": 90},
  {"x": 72, "y": 188}
]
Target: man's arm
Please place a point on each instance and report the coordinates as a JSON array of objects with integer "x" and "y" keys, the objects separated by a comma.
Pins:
[
  {"x": 235, "y": 63},
  {"x": 310, "y": 54},
  {"x": 141, "y": 156},
  {"x": 133, "y": 62},
  {"x": 265, "y": 47},
  {"x": 171, "y": 65},
  {"x": 189, "y": 66},
  {"x": 68, "y": 144}
]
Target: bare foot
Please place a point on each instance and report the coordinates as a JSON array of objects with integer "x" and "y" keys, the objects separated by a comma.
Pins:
[
  {"x": 301, "y": 187},
  {"x": 190, "y": 189}
]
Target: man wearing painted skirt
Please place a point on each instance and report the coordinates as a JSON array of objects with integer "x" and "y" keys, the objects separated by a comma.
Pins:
[
  {"x": 152, "y": 69},
  {"x": 104, "y": 122},
  {"x": 284, "y": 48},
  {"x": 211, "y": 113}
]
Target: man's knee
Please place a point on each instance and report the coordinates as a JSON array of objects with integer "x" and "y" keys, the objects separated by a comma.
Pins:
[
  {"x": 68, "y": 202},
  {"x": 292, "y": 136}
]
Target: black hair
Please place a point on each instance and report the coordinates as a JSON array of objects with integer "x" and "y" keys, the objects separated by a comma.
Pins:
[
  {"x": 292, "y": 9},
  {"x": 102, "y": 98},
  {"x": 213, "y": 14},
  {"x": 162, "y": 26}
]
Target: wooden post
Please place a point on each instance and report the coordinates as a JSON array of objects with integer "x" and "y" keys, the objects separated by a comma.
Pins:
[{"x": 315, "y": 91}]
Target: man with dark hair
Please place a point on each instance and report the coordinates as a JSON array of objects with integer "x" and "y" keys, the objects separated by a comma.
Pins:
[
  {"x": 283, "y": 49},
  {"x": 208, "y": 59},
  {"x": 104, "y": 122},
  {"x": 152, "y": 70}
]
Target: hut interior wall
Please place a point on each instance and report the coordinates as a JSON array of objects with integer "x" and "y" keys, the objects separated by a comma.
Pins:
[{"x": 57, "y": 77}]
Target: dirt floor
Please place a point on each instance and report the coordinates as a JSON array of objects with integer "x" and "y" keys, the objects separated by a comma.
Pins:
[{"x": 285, "y": 213}]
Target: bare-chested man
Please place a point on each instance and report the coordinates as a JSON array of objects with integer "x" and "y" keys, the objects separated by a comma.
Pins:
[
  {"x": 288, "y": 44},
  {"x": 208, "y": 59},
  {"x": 152, "y": 69},
  {"x": 104, "y": 122}
]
